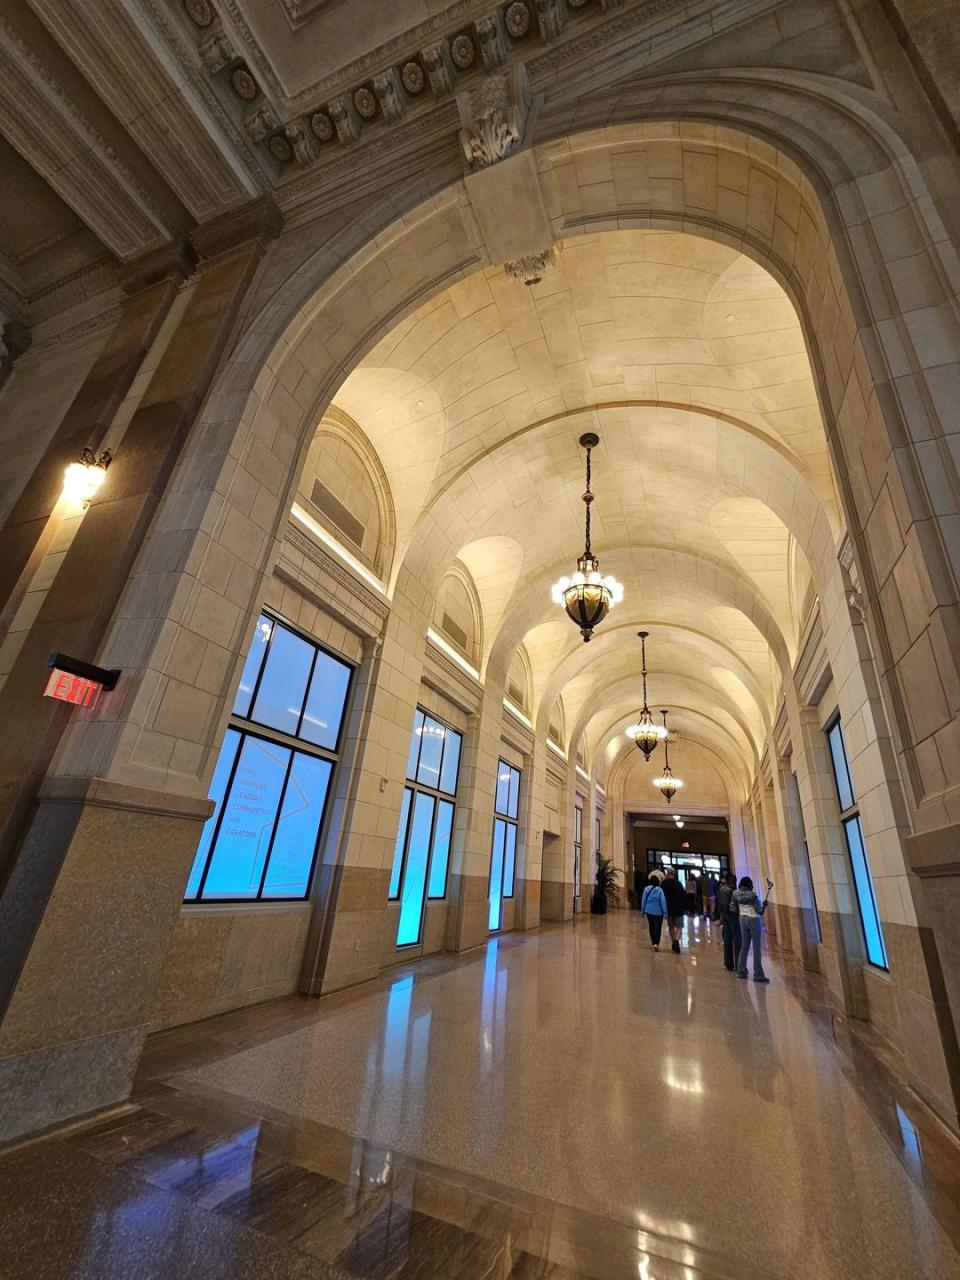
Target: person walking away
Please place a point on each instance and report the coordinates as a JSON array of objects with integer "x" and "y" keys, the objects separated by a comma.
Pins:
[
  {"x": 676, "y": 904},
  {"x": 729, "y": 923},
  {"x": 691, "y": 892},
  {"x": 654, "y": 906},
  {"x": 749, "y": 908},
  {"x": 710, "y": 887}
]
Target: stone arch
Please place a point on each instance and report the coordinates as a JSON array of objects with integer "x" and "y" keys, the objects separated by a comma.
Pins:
[
  {"x": 827, "y": 258},
  {"x": 458, "y": 614}
]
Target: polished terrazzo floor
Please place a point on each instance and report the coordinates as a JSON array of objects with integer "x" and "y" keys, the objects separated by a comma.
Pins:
[{"x": 562, "y": 1105}]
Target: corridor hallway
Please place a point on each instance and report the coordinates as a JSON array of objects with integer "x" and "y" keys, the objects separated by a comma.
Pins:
[{"x": 560, "y": 1104}]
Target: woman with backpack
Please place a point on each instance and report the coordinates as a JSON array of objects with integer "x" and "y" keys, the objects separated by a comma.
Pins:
[{"x": 654, "y": 906}]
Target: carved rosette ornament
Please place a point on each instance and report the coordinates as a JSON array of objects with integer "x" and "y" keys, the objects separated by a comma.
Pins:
[
  {"x": 322, "y": 126},
  {"x": 494, "y": 116},
  {"x": 530, "y": 268},
  {"x": 517, "y": 19},
  {"x": 463, "y": 51},
  {"x": 412, "y": 77},
  {"x": 365, "y": 103},
  {"x": 200, "y": 12},
  {"x": 243, "y": 84}
]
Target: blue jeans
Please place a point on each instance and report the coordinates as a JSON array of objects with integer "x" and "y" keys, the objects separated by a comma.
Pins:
[
  {"x": 750, "y": 929},
  {"x": 732, "y": 942}
]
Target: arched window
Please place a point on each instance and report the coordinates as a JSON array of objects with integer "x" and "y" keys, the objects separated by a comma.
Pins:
[{"x": 518, "y": 680}]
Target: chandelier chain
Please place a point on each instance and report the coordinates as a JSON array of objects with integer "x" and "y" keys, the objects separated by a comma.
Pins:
[{"x": 588, "y": 498}]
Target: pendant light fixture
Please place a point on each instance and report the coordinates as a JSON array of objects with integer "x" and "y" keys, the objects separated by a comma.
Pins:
[
  {"x": 667, "y": 783},
  {"x": 645, "y": 733},
  {"x": 587, "y": 597}
]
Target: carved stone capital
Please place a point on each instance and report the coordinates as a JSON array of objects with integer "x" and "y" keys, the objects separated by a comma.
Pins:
[
  {"x": 494, "y": 116},
  {"x": 531, "y": 267},
  {"x": 439, "y": 65},
  {"x": 490, "y": 36},
  {"x": 261, "y": 122},
  {"x": 389, "y": 94},
  {"x": 217, "y": 51},
  {"x": 345, "y": 119},
  {"x": 552, "y": 17}
]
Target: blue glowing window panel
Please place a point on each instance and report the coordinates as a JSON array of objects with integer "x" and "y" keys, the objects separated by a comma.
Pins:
[
  {"x": 451, "y": 763},
  {"x": 394, "y": 891},
  {"x": 443, "y": 830},
  {"x": 431, "y": 749},
  {"x": 323, "y": 714},
  {"x": 295, "y": 840},
  {"x": 496, "y": 874},
  {"x": 415, "y": 871},
  {"x": 514, "y": 801},
  {"x": 509, "y": 859},
  {"x": 283, "y": 684},
  {"x": 249, "y": 813},
  {"x": 251, "y": 668},
  {"x": 502, "y": 804},
  {"x": 415, "y": 739},
  {"x": 221, "y": 775},
  {"x": 841, "y": 772},
  {"x": 866, "y": 898}
]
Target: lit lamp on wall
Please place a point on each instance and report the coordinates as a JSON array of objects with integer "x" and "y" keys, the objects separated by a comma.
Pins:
[
  {"x": 82, "y": 479},
  {"x": 645, "y": 733},
  {"x": 667, "y": 784},
  {"x": 587, "y": 597}
]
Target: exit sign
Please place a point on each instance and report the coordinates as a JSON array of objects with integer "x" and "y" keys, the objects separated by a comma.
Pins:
[
  {"x": 79, "y": 683},
  {"x": 66, "y": 687}
]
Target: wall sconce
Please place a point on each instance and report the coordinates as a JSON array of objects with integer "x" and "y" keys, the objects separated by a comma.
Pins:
[{"x": 82, "y": 479}]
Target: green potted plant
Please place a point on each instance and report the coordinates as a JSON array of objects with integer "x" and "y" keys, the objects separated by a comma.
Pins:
[{"x": 606, "y": 889}]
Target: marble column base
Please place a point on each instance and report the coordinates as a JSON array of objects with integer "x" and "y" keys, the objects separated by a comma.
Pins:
[
  {"x": 527, "y": 911},
  {"x": 556, "y": 900},
  {"x": 469, "y": 912},
  {"x": 346, "y": 940},
  {"x": 107, "y": 864}
]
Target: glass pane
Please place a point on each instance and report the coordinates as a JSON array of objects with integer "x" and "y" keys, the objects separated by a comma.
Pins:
[
  {"x": 251, "y": 668},
  {"x": 437, "y": 886},
  {"x": 863, "y": 882},
  {"x": 578, "y": 825},
  {"x": 294, "y": 845},
  {"x": 228, "y": 752},
  {"x": 323, "y": 713},
  {"x": 502, "y": 804},
  {"x": 431, "y": 748},
  {"x": 398, "y": 847},
  {"x": 840, "y": 772},
  {"x": 280, "y": 696},
  {"x": 415, "y": 738},
  {"x": 514, "y": 793},
  {"x": 415, "y": 871},
  {"x": 248, "y": 817},
  {"x": 496, "y": 874},
  {"x": 509, "y": 859},
  {"x": 451, "y": 762}
]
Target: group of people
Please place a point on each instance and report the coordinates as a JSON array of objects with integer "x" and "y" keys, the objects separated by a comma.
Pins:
[{"x": 737, "y": 908}]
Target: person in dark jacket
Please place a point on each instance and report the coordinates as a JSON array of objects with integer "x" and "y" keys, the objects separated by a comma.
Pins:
[
  {"x": 729, "y": 923},
  {"x": 676, "y": 905},
  {"x": 654, "y": 906}
]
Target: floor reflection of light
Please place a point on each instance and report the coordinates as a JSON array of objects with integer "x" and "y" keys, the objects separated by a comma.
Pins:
[
  {"x": 684, "y": 1078},
  {"x": 667, "y": 1228}
]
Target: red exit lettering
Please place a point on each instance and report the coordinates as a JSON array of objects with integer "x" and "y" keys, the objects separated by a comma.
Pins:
[{"x": 70, "y": 688}]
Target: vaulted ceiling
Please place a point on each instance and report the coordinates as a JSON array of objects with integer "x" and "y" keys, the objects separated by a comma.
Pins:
[{"x": 689, "y": 361}]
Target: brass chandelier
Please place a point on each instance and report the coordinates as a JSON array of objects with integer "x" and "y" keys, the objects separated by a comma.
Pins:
[
  {"x": 667, "y": 784},
  {"x": 586, "y": 596},
  {"x": 645, "y": 733}
]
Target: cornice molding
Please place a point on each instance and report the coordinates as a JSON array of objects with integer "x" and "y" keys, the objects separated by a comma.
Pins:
[
  {"x": 40, "y": 121},
  {"x": 314, "y": 552}
]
